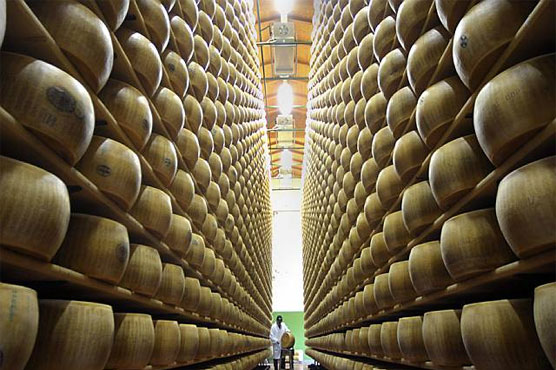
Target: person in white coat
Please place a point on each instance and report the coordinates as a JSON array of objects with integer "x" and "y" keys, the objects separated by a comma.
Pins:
[{"x": 276, "y": 331}]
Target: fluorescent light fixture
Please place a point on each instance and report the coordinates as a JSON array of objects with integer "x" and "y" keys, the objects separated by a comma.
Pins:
[
  {"x": 283, "y": 6},
  {"x": 286, "y": 159},
  {"x": 285, "y": 98}
]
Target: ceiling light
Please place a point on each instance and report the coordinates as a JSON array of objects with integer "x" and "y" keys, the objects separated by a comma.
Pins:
[
  {"x": 285, "y": 98},
  {"x": 283, "y": 6}
]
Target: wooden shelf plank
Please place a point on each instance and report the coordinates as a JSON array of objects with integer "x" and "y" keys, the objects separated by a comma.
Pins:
[
  {"x": 538, "y": 264},
  {"x": 400, "y": 361}
]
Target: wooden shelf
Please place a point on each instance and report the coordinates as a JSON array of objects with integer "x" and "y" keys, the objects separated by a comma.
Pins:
[
  {"x": 28, "y": 36},
  {"x": 400, "y": 361},
  {"x": 503, "y": 277},
  {"x": 203, "y": 362},
  {"x": 540, "y": 19},
  {"x": 47, "y": 278}
]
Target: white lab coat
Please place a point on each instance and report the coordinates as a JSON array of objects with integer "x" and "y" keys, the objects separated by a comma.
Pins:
[{"x": 275, "y": 337}]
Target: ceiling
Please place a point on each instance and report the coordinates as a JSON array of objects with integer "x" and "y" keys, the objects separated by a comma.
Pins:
[{"x": 301, "y": 15}]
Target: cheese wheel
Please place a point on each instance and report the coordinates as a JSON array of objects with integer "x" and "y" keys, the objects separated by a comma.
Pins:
[
  {"x": 144, "y": 270},
  {"x": 399, "y": 110},
  {"x": 177, "y": 72},
  {"x": 134, "y": 340},
  {"x": 170, "y": 107},
  {"x": 482, "y": 36},
  {"x": 184, "y": 37},
  {"x": 49, "y": 102},
  {"x": 73, "y": 335},
  {"x": 192, "y": 292},
  {"x": 166, "y": 342},
  {"x": 408, "y": 155},
  {"x": 190, "y": 12},
  {"x": 82, "y": 36},
  {"x": 426, "y": 268},
  {"x": 287, "y": 340},
  {"x": 442, "y": 338},
  {"x": 180, "y": 234},
  {"x": 144, "y": 59},
  {"x": 388, "y": 186},
  {"x": 390, "y": 72},
  {"x": 456, "y": 168},
  {"x": 510, "y": 325},
  {"x": 382, "y": 146},
  {"x": 114, "y": 169},
  {"x": 114, "y": 12},
  {"x": 399, "y": 282},
  {"x": 521, "y": 99},
  {"x": 375, "y": 111},
  {"x": 419, "y": 208},
  {"x": 130, "y": 109},
  {"x": 382, "y": 293},
  {"x": 410, "y": 21},
  {"x": 396, "y": 234},
  {"x": 369, "y": 80},
  {"x": 161, "y": 155},
  {"x": 153, "y": 209},
  {"x": 451, "y": 12},
  {"x": 203, "y": 351},
  {"x": 385, "y": 38},
  {"x": 438, "y": 106},
  {"x": 196, "y": 253},
  {"x": 424, "y": 58},
  {"x": 389, "y": 339},
  {"x": 189, "y": 338},
  {"x": 378, "y": 9},
  {"x": 36, "y": 220},
  {"x": 183, "y": 188},
  {"x": 172, "y": 284},
  {"x": 198, "y": 82},
  {"x": 410, "y": 339},
  {"x": 157, "y": 22},
  {"x": 95, "y": 246},
  {"x": 379, "y": 252},
  {"x": 526, "y": 217},
  {"x": 472, "y": 243},
  {"x": 19, "y": 317},
  {"x": 188, "y": 146},
  {"x": 545, "y": 319}
]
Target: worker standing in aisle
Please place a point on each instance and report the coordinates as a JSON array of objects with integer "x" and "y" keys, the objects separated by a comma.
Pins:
[{"x": 276, "y": 331}]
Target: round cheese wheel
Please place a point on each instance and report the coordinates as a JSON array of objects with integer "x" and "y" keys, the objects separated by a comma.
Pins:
[
  {"x": 36, "y": 220},
  {"x": 73, "y": 335},
  {"x": 95, "y": 246},
  {"x": 19, "y": 317},
  {"x": 134, "y": 339},
  {"x": 114, "y": 169},
  {"x": 130, "y": 109},
  {"x": 510, "y": 325},
  {"x": 49, "y": 102},
  {"x": 82, "y": 36},
  {"x": 442, "y": 338},
  {"x": 144, "y": 270}
]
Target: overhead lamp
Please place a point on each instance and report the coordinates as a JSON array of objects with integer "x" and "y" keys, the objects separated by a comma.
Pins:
[
  {"x": 284, "y": 7},
  {"x": 285, "y": 98},
  {"x": 286, "y": 160}
]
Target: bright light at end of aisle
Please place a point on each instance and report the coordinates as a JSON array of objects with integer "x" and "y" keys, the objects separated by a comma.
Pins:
[
  {"x": 283, "y": 6},
  {"x": 285, "y": 98},
  {"x": 287, "y": 160}
]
